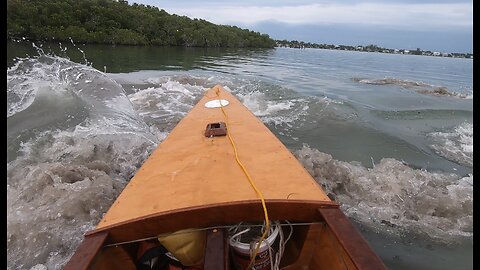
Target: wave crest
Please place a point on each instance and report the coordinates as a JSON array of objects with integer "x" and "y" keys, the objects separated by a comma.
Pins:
[
  {"x": 456, "y": 144},
  {"x": 394, "y": 197}
]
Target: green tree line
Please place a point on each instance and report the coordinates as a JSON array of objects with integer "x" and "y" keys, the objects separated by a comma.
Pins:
[{"x": 118, "y": 22}]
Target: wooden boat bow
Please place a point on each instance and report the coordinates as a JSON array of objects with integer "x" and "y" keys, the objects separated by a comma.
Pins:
[{"x": 192, "y": 181}]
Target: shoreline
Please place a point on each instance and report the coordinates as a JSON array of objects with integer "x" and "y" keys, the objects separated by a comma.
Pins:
[{"x": 386, "y": 51}]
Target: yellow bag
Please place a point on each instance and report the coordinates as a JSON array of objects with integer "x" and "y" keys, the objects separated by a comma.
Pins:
[{"x": 186, "y": 245}]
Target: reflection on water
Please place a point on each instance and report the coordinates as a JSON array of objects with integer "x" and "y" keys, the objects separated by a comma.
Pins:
[{"x": 123, "y": 58}]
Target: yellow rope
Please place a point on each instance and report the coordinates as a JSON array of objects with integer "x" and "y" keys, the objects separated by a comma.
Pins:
[{"x": 252, "y": 183}]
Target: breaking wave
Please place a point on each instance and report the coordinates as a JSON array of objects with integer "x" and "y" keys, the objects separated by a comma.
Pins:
[
  {"x": 74, "y": 140},
  {"x": 394, "y": 197},
  {"x": 163, "y": 105},
  {"x": 283, "y": 109},
  {"x": 456, "y": 144}
]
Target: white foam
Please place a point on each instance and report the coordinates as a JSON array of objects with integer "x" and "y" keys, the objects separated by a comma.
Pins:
[
  {"x": 276, "y": 112},
  {"x": 394, "y": 197},
  {"x": 39, "y": 267},
  {"x": 456, "y": 144},
  {"x": 167, "y": 103},
  {"x": 60, "y": 186},
  {"x": 63, "y": 178},
  {"x": 257, "y": 103}
]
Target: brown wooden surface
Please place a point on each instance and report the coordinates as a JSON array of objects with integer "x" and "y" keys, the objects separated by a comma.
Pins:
[
  {"x": 304, "y": 249},
  {"x": 320, "y": 250},
  {"x": 328, "y": 254},
  {"x": 355, "y": 246},
  {"x": 87, "y": 251},
  {"x": 189, "y": 170},
  {"x": 214, "y": 215},
  {"x": 115, "y": 257},
  {"x": 216, "y": 250}
]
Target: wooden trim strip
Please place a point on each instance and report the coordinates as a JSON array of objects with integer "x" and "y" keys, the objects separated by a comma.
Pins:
[
  {"x": 213, "y": 215},
  {"x": 85, "y": 253},
  {"x": 355, "y": 246},
  {"x": 216, "y": 250}
]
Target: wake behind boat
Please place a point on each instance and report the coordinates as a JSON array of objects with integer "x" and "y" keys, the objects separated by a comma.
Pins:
[{"x": 222, "y": 192}]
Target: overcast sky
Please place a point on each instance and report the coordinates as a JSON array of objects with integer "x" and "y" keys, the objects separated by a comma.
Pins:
[{"x": 442, "y": 25}]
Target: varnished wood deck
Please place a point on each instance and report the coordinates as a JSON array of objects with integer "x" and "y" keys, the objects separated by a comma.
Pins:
[{"x": 189, "y": 170}]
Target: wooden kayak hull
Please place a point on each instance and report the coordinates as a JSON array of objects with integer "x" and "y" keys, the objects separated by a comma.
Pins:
[{"x": 192, "y": 181}]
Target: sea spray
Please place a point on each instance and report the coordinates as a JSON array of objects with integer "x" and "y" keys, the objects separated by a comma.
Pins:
[
  {"x": 455, "y": 144},
  {"x": 70, "y": 163},
  {"x": 163, "y": 105},
  {"x": 394, "y": 197}
]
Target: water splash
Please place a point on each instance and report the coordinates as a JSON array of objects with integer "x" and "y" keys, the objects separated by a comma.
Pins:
[
  {"x": 395, "y": 198},
  {"x": 75, "y": 141},
  {"x": 456, "y": 144}
]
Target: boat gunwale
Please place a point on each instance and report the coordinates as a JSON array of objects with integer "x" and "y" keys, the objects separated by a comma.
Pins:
[
  {"x": 356, "y": 248},
  {"x": 213, "y": 215}
]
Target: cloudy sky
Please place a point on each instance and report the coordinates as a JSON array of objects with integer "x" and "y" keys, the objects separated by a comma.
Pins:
[{"x": 441, "y": 25}]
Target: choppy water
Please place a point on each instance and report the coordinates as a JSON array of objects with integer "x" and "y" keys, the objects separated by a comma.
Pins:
[{"x": 390, "y": 137}]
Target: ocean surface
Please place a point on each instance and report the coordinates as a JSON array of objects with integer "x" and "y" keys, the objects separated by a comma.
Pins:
[{"x": 388, "y": 136}]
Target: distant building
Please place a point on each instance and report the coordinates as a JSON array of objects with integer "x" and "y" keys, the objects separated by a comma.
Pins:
[{"x": 368, "y": 48}]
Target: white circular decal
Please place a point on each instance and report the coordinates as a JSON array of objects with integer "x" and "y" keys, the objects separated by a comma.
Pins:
[{"x": 216, "y": 103}]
